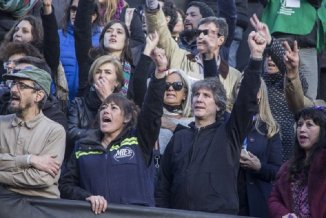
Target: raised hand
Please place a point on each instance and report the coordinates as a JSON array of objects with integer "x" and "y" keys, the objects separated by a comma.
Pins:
[
  {"x": 151, "y": 43},
  {"x": 260, "y": 27},
  {"x": 46, "y": 163},
  {"x": 257, "y": 45},
  {"x": 291, "y": 59},
  {"x": 47, "y": 7},
  {"x": 98, "y": 203}
]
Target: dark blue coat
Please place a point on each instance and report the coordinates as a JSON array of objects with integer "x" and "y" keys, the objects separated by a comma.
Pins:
[
  {"x": 122, "y": 173},
  {"x": 259, "y": 184}
]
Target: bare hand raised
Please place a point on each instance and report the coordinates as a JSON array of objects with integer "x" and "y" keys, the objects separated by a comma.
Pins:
[
  {"x": 47, "y": 7},
  {"x": 261, "y": 27},
  {"x": 257, "y": 45},
  {"x": 151, "y": 43},
  {"x": 291, "y": 59}
]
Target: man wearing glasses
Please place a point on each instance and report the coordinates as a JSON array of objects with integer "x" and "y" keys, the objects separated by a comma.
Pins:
[
  {"x": 211, "y": 35},
  {"x": 31, "y": 145}
]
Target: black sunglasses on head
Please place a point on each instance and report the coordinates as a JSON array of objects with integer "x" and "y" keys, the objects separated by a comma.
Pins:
[{"x": 177, "y": 86}]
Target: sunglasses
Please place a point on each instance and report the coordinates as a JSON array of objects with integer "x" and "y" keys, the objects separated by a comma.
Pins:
[
  {"x": 177, "y": 86},
  {"x": 73, "y": 9},
  {"x": 205, "y": 32}
]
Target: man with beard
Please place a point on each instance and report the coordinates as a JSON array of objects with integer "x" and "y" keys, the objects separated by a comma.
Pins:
[
  {"x": 195, "y": 11},
  {"x": 31, "y": 145},
  {"x": 210, "y": 37}
]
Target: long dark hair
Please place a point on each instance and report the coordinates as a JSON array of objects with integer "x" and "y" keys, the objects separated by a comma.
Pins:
[
  {"x": 101, "y": 50},
  {"x": 301, "y": 163},
  {"x": 37, "y": 32}
]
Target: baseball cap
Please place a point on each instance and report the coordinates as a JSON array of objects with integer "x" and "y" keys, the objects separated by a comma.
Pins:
[{"x": 41, "y": 77}]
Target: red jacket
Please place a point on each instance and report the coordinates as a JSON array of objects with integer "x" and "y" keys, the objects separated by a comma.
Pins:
[{"x": 280, "y": 200}]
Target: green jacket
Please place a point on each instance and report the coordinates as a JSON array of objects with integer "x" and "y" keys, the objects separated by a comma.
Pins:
[{"x": 296, "y": 20}]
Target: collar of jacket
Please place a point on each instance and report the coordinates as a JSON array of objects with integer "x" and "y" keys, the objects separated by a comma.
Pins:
[
  {"x": 29, "y": 124},
  {"x": 94, "y": 138}
]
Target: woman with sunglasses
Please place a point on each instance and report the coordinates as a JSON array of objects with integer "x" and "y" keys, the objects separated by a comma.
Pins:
[
  {"x": 176, "y": 108},
  {"x": 120, "y": 151},
  {"x": 67, "y": 44}
]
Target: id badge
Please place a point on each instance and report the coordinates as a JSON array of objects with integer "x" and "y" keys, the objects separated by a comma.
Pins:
[{"x": 292, "y": 3}]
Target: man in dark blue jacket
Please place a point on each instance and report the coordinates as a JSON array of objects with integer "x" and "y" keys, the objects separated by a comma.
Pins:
[{"x": 200, "y": 165}]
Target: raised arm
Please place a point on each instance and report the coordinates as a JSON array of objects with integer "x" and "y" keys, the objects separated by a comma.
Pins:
[
  {"x": 149, "y": 120},
  {"x": 293, "y": 88},
  {"x": 143, "y": 69},
  {"x": 51, "y": 48},
  {"x": 83, "y": 41},
  {"x": 177, "y": 57},
  {"x": 246, "y": 105}
]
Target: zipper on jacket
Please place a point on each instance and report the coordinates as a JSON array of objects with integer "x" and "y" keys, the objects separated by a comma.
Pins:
[{"x": 189, "y": 166}]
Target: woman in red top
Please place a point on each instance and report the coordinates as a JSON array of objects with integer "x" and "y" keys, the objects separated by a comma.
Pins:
[{"x": 300, "y": 189}]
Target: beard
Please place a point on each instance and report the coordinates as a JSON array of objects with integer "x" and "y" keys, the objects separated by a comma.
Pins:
[
  {"x": 18, "y": 109},
  {"x": 189, "y": 34}
]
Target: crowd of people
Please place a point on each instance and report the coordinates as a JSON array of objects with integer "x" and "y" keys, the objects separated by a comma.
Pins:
[{"x": 143, "y": 103}]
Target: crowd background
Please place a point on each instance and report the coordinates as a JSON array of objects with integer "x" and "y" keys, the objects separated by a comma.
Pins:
[{"x": 147, "y": 63}]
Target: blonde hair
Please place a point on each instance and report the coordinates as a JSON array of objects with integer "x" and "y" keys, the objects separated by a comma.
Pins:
[
  {"x": 103, "y": 60},
  {"x": 265, "y": 114},
  {"x": 111, "y": 9}
]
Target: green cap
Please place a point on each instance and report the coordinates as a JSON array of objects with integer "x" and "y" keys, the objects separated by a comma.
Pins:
[{"x": 41, "y": 77}]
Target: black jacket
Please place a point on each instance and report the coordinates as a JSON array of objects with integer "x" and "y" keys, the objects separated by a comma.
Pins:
[
  {"x": 81, "y": 117},
  {"x": 200, "y": 166},
  {"x": 254, "y": 187}
]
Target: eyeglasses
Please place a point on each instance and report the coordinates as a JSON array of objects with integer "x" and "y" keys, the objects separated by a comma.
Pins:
[
  {"x": 73, "y": 9},
  {"x": 177, "y": 86},
  {"x": 21, "y": 85},
  {"x": 205, "y": 32}
]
